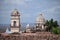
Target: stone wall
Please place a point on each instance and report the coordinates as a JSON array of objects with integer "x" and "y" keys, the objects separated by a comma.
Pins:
[{"x": 31, "y": 36}]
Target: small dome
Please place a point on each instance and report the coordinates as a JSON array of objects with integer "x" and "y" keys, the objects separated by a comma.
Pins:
[
  {"x": 15, "y": 12},
  {"x": 40, "y": 19},
  {"x": 27, "y": 26}
]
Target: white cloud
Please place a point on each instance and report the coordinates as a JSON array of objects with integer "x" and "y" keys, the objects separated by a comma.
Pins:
[
  {"x": 18, "y": 2},
  {"x": 51, "y": 10}
]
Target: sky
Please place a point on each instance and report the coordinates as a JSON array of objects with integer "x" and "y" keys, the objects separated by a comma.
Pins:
[{"x": 29, "y": 10}]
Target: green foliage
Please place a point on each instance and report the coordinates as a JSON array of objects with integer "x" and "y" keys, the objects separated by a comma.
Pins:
[
  {"x": 55, "y": 30},
  {"x": 52, "y": 26},
  {"x": 51, "y": 23}
]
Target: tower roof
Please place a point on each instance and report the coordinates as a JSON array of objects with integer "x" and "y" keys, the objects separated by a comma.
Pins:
[{"x": 15, "y": 12}]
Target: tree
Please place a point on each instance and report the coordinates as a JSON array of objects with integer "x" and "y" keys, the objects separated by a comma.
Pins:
[
  {"x": 51, "y": 23},
  {"x": 55, "y": 30},
  {"x": 55, "y": 24}
]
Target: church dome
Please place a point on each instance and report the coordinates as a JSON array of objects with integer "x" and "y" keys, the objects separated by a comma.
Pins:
[
  {"x": 15, "y": 12},
  {"x": 27, "y": 26},
  {"x": 40, "y": 19}
]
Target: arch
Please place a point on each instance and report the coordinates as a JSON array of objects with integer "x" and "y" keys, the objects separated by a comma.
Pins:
[{"x": 14, "y": 23}]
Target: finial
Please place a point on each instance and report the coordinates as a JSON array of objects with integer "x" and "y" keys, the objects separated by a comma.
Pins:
[
  {"x": 15, "y": 9},
  {"x": 40, "y": 13}
]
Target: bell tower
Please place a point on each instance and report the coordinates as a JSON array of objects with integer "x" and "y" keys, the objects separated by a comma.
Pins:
[{"x": 15, "y": 21}]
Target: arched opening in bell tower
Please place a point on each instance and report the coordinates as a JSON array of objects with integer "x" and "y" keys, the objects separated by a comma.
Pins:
[{"x": 14, "y": 23}]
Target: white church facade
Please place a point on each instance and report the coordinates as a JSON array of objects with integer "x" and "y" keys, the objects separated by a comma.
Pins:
[{"x": 15, "y": 25}]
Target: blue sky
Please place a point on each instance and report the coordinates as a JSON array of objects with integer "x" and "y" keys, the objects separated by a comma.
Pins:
[{"x": 29, "y": 10}]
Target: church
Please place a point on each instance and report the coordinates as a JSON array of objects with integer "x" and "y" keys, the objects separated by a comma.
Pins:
[{"x": 15, "y": 25}]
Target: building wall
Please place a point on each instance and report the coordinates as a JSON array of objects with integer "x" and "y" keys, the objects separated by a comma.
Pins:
[
  {"x": 12, "y": 22},
  {"x": 14, "y": 29},
  {"x": 32, "y": 36}
]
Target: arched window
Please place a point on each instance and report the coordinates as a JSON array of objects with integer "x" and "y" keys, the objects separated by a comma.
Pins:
[{"x": 14, "y": 23}]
